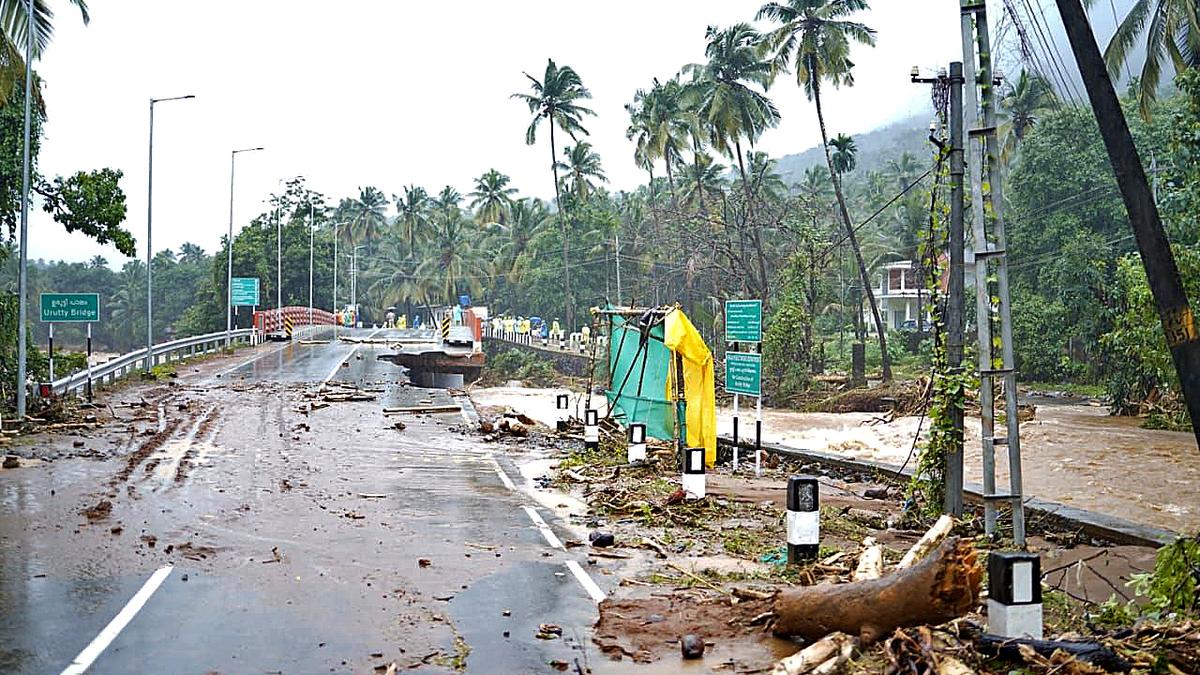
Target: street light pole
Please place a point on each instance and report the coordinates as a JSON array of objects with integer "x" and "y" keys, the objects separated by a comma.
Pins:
[
  {"x": 279, "y": 270},
  {"x": 30, "y": 36},
  {"x": 229, "y": 266},
  {"x": 335, "y": 305},
  {"x": 149, "y": 234},
  {"x": 311, "y": 240}
]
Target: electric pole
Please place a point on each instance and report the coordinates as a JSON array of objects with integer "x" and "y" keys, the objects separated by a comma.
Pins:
[
  {"x": 1170, "y": 298},
  {"x": 955, "y": 297}
]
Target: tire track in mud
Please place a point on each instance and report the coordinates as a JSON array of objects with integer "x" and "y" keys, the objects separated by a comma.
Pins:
[
  {"x": 148, "y": 447},
  {"x": 204, "y": 433}
]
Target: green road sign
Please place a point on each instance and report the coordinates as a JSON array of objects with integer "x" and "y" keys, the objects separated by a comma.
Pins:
[
  {"x": 70, "y": 307},
  {"x": 743, "y": 373},
  {"x": 245, "y": 292},
  {"x": 743, "y": 320}
]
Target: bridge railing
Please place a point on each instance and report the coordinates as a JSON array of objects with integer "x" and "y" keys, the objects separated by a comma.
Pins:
[{"x": 574, "y": 343}]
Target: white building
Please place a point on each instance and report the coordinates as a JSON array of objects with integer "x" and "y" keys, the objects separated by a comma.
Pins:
[{"x": 897, "y": 296}]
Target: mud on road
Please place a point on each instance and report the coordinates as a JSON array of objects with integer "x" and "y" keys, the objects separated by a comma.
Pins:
[{"x": 303, "y": 535}]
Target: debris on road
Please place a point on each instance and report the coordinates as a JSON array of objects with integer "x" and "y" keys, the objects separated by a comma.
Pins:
[
  {"x": 692, "y": 646},
  {"x": 549, "y": 631},
  {"x": 422, "y": 409},
  {"x": 12, "y": 462},
  {"x": 100, "y": 511}
]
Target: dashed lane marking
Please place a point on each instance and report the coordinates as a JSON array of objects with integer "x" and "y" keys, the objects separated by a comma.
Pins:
[
  {"x": 585, "y": 580},
  {"x": 97, "y": 646},
  {"x": 542, "y": 527}
]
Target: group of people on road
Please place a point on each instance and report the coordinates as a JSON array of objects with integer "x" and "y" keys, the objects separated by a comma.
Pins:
[{"x": 534, "y": 326}]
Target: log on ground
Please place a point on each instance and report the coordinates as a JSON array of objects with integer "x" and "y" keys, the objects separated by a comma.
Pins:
[{"x": 942, "y": 587}]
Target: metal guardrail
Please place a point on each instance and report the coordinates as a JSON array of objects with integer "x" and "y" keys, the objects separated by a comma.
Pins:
[{"x": 111, "y": 370}]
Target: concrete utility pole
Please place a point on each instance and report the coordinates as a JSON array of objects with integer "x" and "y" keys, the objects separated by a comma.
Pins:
[
  {"x": 1170, "y": 298},
  {"x": 955, "y": 298}
]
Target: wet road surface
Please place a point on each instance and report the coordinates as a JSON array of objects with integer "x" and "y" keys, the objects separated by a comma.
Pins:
[{"x": 287, "y": 537}]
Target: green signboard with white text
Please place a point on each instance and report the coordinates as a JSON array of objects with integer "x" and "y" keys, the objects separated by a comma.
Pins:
[
  {"x": 743, "y": 373},
  {"x": 70, "y": 307},
  {"x": 244, "y": 292},
  {"x": 743, "y": 320}
]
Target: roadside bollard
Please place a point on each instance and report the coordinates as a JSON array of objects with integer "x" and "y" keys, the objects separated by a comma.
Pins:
[
  {"x": 591, "y": 429},
  {"x": 637, "y": 442},
  {"x": 803, "y": 519},
  {"x": 1014, "y": 594},
  {"x": 562, "y": 403},
  {"x": 693, "y": 473}
]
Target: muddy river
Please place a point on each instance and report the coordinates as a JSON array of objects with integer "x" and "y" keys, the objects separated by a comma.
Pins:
[{"x": 1073, "y": 453}]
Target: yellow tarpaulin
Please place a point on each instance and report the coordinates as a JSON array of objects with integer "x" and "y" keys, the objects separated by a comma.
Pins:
[{"x": 681, "y": 337}]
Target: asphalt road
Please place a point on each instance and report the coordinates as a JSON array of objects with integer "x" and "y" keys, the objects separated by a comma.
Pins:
[{"x": 252, "y": 534}]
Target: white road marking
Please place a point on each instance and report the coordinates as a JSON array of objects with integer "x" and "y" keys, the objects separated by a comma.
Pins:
[
  {"x": 586, "y": 581},
  {"x": 338, "y": 365},
  {"x": 89, "y": 654},
  {"x": 549, "y": 535},
  {"x": 503, "y": 476}
]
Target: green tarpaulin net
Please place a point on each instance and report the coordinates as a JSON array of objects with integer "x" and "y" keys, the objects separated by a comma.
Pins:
[{"x": 639, "y": 378}]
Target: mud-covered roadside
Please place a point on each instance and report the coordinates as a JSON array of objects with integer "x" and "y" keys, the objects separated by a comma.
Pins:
[{"x": 711, "y": 568}]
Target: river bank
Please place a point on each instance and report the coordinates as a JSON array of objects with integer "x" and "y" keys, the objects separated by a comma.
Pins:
[{"x": 1073, "y": 453}]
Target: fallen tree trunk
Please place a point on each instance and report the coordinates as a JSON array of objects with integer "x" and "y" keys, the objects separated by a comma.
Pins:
[{"x": 942, "y": 587}]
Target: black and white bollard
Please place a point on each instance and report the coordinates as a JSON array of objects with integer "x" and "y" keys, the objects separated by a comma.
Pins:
[
  {"x": 803, "y": 519},
  {"x": 1014, "y": 594},
  {"x": 591, "y": 429},
  {"x": 637, "y": 442},
  {"x": 562, "y": 403},
  {"x": 693, "y": 473}
]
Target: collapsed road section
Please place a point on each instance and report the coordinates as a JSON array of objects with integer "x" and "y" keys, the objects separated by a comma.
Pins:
[{"x": 449, "y": 356}]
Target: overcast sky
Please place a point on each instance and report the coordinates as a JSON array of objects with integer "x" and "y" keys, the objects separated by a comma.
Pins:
[{"x": 391, "y": 93}]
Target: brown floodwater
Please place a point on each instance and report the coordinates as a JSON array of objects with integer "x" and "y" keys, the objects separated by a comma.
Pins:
[{"x": 1073, "y": 453}]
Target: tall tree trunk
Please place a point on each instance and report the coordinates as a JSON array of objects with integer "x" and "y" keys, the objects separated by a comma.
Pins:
[
  {"x": 864, "y": 275},
  {"x": 670, "y": 178},
  {"x": 562, "y": 213},
  {"x": 755, "y": 237}
]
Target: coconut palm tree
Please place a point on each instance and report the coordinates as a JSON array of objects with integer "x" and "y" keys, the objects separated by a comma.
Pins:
[
  {"x": 492, "y": 197},
  {"x": 659, "y": 124},
  {"x": 14, "y": 37},
  {"x": 556, "y": 98},
  {"x": 452, "y": 263},
  {"x": 845, "y": 153},
  {"x": 581, "y": 168},
  {"x": 366, "y": 215},
  {"x": 813, "y": 39},
  {"x": 724, "y": 94},
  {"x": 413, "y": 210},
  {"x": 1171, "y": 27},
  {"x": 191, "y": 254},
  {"x": 702, "y": 179},
  {"x": 1022, "y": 104}
]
